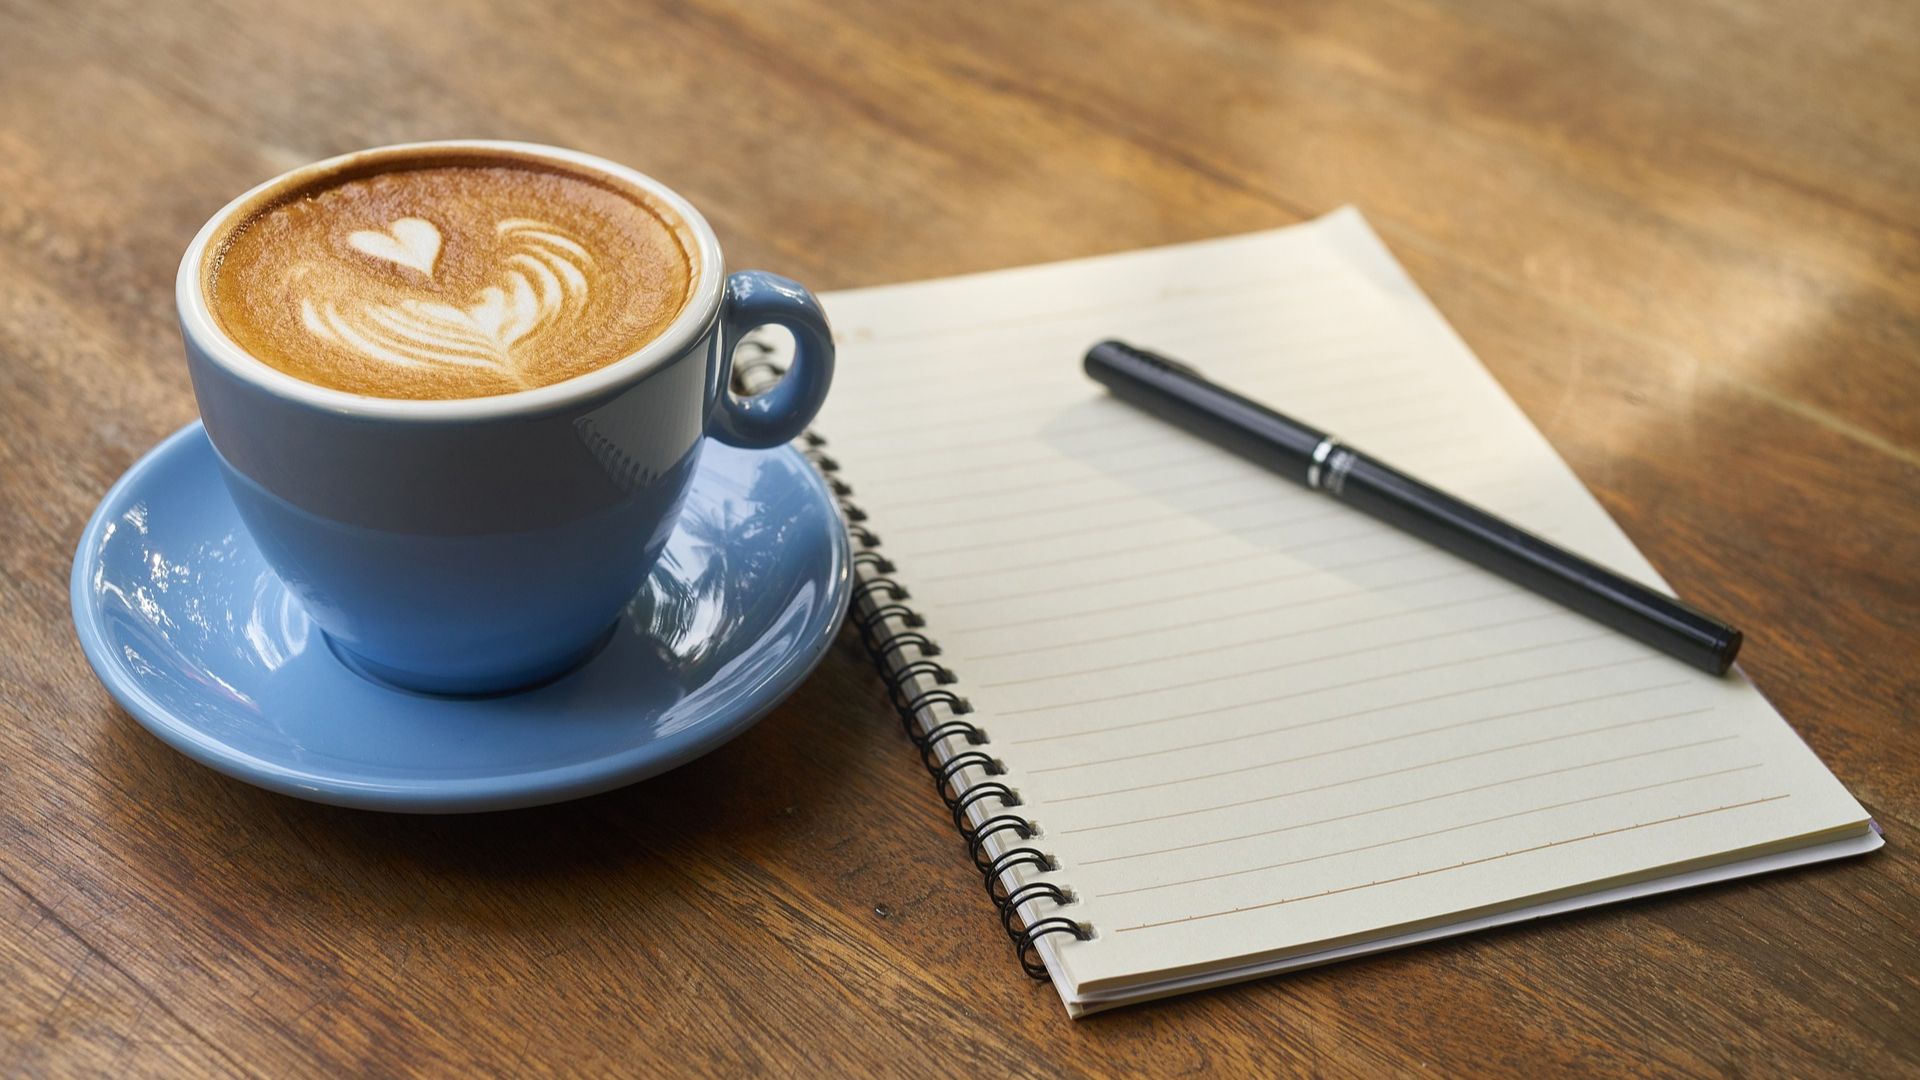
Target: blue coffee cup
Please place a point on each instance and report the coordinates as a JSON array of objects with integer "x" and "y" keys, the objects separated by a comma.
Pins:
[{"x": 480, "y": 544}]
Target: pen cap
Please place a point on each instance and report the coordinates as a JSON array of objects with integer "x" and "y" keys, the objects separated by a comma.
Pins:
[{"x": 1179, "y": 394}]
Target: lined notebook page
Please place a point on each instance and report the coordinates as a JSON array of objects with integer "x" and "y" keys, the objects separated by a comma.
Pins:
[{"x": 1249, "y": 720}]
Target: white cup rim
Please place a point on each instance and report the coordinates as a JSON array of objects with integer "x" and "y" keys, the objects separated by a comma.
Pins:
[{"x": 702, "y": 306}]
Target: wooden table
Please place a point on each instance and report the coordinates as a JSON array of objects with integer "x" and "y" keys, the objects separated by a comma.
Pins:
[{"x": 1686, "y": 236}]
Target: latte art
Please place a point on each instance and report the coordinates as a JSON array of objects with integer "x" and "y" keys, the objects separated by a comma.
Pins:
[
  {"x": 446, "y": 280},
  {"x": 411, "y": 241},
  {"x": 542, "y": 285}
]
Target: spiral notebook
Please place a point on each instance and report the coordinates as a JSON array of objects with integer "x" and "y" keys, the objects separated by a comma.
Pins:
[{"x": 1197, "y": 725}]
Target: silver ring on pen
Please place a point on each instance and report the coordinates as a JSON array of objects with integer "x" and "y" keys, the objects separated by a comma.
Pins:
[{"x": 1327, "y": 446}]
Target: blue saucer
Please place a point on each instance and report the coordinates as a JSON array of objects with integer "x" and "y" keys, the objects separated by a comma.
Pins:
[{"x": 193, "y": 634}]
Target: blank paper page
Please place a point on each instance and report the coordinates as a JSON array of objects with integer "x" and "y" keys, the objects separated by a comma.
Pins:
[{"x": 1251, "y": 721}]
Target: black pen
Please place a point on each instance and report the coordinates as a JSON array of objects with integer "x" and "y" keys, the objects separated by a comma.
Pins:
[{"x": 1175, "y": 392}]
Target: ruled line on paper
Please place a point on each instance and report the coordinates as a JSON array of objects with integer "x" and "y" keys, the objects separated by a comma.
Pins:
[
  {"x": 1201, "y": 454},
  {"x": 1231, "y": 586},
  {"x": 1509, "y": 816},
  {"x": 1240, "y": 532},
  {"x": 1135, "y": 438},
  {"x": 1384, "y": 414},
  {"x": 1266, "y": 732},
  {"x": 1279, "y": 494},
  {"x": 1226, "y": 344},
  {"x": 1216, "y": 618},
  {"x": 1245, "y": 475},
  {"x": 1460, "y": 865},
  {"x": 1298, "y": 825},
  {"x": 1330, "y": 785},
  {"x": 1164, "y": 514},
  {"x": 1243, "y": 347},
  {"x": 1102, "y": 412},
  {"x": 1543, "y": 677},
  {"x": 1131, "y": 442},
  {"x": 946, "y": 414},
  {"x": 1184, "y": 568},
  {"x": 1041, "y": 371},
  {"x": 1197, "y": 296},
  {"x": 1111, "y": 498},
  {"x": 1210, "y": 680},
  {"x": 1216, "y": 647},
  {"x": 1160, "y": 516}
]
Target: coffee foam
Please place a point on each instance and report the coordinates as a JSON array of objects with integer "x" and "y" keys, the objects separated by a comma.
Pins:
[{"x": 450, "y": 278}]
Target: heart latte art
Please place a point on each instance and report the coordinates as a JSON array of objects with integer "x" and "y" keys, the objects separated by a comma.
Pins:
[
  {"x": 451, "y": 281},
  {"x": 542, "y": 285}
]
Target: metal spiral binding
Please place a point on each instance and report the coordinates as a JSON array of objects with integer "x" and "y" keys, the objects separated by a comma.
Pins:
[{"x": 950, "y": 748}]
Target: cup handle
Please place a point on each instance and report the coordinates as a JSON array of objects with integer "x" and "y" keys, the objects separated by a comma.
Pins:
[{"x": 756, "y": 298}]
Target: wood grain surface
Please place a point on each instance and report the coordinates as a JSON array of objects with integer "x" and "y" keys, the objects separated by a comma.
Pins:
[{"x": 1685, "y": 236}]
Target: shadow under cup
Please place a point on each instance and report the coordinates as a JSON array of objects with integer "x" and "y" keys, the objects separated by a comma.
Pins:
[{"x": 478, "y": 545}]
